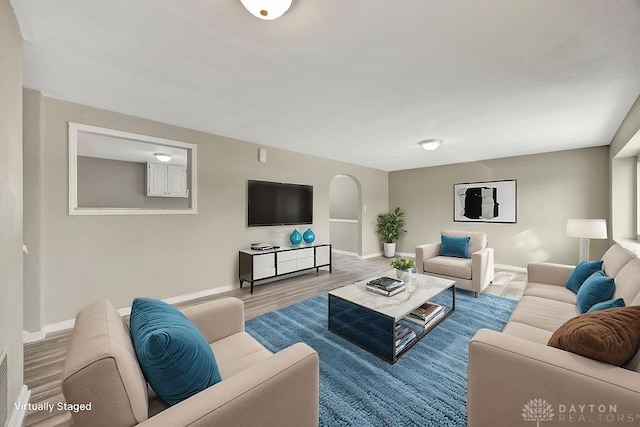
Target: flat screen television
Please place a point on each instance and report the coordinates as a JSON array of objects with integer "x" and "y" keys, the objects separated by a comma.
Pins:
[{"x": 274, "y": 203}]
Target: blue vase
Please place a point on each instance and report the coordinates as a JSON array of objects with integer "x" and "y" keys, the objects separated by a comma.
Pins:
[
  {"x": 295, "y": 237},
  {"x": 309, "y": 236}
]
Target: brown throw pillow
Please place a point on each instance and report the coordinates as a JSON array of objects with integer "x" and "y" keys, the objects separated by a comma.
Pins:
[{"x": 610, "y": 336}]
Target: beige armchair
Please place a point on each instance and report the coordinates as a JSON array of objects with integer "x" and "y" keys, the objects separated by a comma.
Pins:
[
  {"x": 473, "y": 273},
  {"x": 257, "y": 387}
]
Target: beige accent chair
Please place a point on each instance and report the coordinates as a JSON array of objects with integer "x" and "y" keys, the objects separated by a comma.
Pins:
[
  {"x": 257, "y": 387},
  {"x": 510, "y": 368},
  {"x": 473, "y": 274}
]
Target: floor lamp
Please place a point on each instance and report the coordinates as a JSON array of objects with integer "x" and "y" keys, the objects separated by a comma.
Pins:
[{"x": 586, "y": 229}]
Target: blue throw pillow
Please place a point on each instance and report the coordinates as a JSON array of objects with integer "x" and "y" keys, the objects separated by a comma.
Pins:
[
  {"x": 595, "y": 289},
  {"x": 174, "y": 356},
  {"x": 582, "y": 271},
  {"x": 612, "y": 303},
  {"x": 454, "y": 246}
]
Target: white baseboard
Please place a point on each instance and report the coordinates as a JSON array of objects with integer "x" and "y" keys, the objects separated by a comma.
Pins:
[
  {"x": 29, "y": 337},
  {"x": 403, "y": 254},
  {"x": 406, "y": 254},
  {"x": 338, "y": 251},
  {"x": 510, "y": 268},
  {"x": 188, "y": 297},
  {"x": 19, "y": 408},
  {"x": 374, "y": 255}
]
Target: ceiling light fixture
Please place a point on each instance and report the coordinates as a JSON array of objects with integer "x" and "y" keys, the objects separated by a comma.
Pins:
[
  {"x": 267, "y": 9},
  {"x": 163, "y": 157},
  {"x": 430, "y": 144}
]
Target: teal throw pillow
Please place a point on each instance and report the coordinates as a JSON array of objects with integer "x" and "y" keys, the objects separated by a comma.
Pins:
[
  {"x": 612, "y": 303},
  {"x": 597, "y": 288},
  {"x": 454, "y": 246},
  {"x": 582, "y": 271},
  {"x": 175, "y": 358}
]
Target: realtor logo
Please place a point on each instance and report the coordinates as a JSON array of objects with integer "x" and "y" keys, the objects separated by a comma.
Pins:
[{"x": 537, "y": 410}]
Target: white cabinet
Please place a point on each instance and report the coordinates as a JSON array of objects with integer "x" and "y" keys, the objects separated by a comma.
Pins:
[
  {"x": 263, "y": 266},
  {"x": 287, "y": 262},
  {"x": 306, "y": 258},
  {"x": 323, "y": 255},
  {"x": 258, "y": 265},
  {"x": 177, "y": 181},
  {"x": 166, "y": 180},
  {"x": 295, "y": 260},
  {"x": 156, "y": 179}
]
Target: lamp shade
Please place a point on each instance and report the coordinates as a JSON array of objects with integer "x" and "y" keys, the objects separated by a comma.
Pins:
[
  {"x": 267, "y": 9},
  {"x": 587, "y": 228}
]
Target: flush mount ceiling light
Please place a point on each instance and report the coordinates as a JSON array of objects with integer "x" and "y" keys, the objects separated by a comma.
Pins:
[
  {"x": 430, "y": 144},
  {"x": 267, "y": 9},
  {"x": 163, "y": 157}
]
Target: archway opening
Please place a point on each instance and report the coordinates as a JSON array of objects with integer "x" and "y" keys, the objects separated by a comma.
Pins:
[{"x": 345, "y": 215}]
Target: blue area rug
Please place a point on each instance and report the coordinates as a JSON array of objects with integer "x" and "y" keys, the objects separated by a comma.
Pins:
[{"x": 427, "y": 386}]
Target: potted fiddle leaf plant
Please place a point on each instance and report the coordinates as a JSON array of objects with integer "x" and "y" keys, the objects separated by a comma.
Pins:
[{"x": 390, "y": 228}]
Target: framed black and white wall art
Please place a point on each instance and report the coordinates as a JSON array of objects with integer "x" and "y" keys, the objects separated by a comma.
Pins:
[{"x": 490, "y": 201}]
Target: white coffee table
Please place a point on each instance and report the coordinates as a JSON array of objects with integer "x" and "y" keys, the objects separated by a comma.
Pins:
[{"x": 369, "y": 320}]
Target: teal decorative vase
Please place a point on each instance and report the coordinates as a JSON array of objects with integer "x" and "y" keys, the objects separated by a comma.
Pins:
[
  {"x": 309, "y": 236},
  {"x": 295, "y": 237}
]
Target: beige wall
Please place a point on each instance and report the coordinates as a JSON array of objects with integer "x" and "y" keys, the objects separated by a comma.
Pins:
[
  {"x": 551, "y": 188},
  {"x": 628, "y": 128},
  {"x": 121, "y": 257},
  {"x": 344, "y": 236},
  {"x": 344, "y": 198},
  {"x": 32, "y": 155},
  {"x": 624, "y": 193},
  {"x": 11, "y": 258},
  {"x": 623, "y": 154},
  {"x": 344, "y": 205},
  {"x": 104, "y": 183}
]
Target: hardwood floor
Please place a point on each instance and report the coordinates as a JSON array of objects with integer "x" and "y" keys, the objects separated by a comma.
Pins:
[{"x": 43, "y": 360}]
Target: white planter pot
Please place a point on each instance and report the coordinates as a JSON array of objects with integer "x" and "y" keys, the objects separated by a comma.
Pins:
[
  {"x": 404, "y": 275},
  {"x": 389, "y": 250}
]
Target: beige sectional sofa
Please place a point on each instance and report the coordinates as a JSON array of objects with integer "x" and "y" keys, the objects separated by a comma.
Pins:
[
  {"x": 508, "y": 369},
  {"x": 257, "y": 387}
]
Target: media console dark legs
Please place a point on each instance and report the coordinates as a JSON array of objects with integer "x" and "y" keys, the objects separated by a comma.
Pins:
[
  {"x": 256, "y": 265},
  {"x": 251, "y": 289},
  {"x": 330, "y": 268}
]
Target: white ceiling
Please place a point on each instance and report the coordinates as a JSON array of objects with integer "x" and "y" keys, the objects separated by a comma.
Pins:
[{"x": 362, "y": 81}]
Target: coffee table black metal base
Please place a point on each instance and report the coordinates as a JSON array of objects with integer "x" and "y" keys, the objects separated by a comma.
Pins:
[{"x": 375, "y": 331}]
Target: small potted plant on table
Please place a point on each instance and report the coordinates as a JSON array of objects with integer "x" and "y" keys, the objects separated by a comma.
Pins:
[{"x": 403, "y": 268}]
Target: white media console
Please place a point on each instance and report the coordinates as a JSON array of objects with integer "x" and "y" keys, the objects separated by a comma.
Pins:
[{"x": 257, "y": 265}]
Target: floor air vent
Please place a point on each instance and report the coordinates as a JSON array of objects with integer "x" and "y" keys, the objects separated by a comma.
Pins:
[{"x": 4, "y": 388}]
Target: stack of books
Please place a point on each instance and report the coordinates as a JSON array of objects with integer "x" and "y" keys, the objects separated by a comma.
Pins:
[
  {"x": 385, "y": 286},
  {"x": 404, "y": 335},
  {"x": 261, "y": 246},
  {"x": 426, "y": 313}
]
